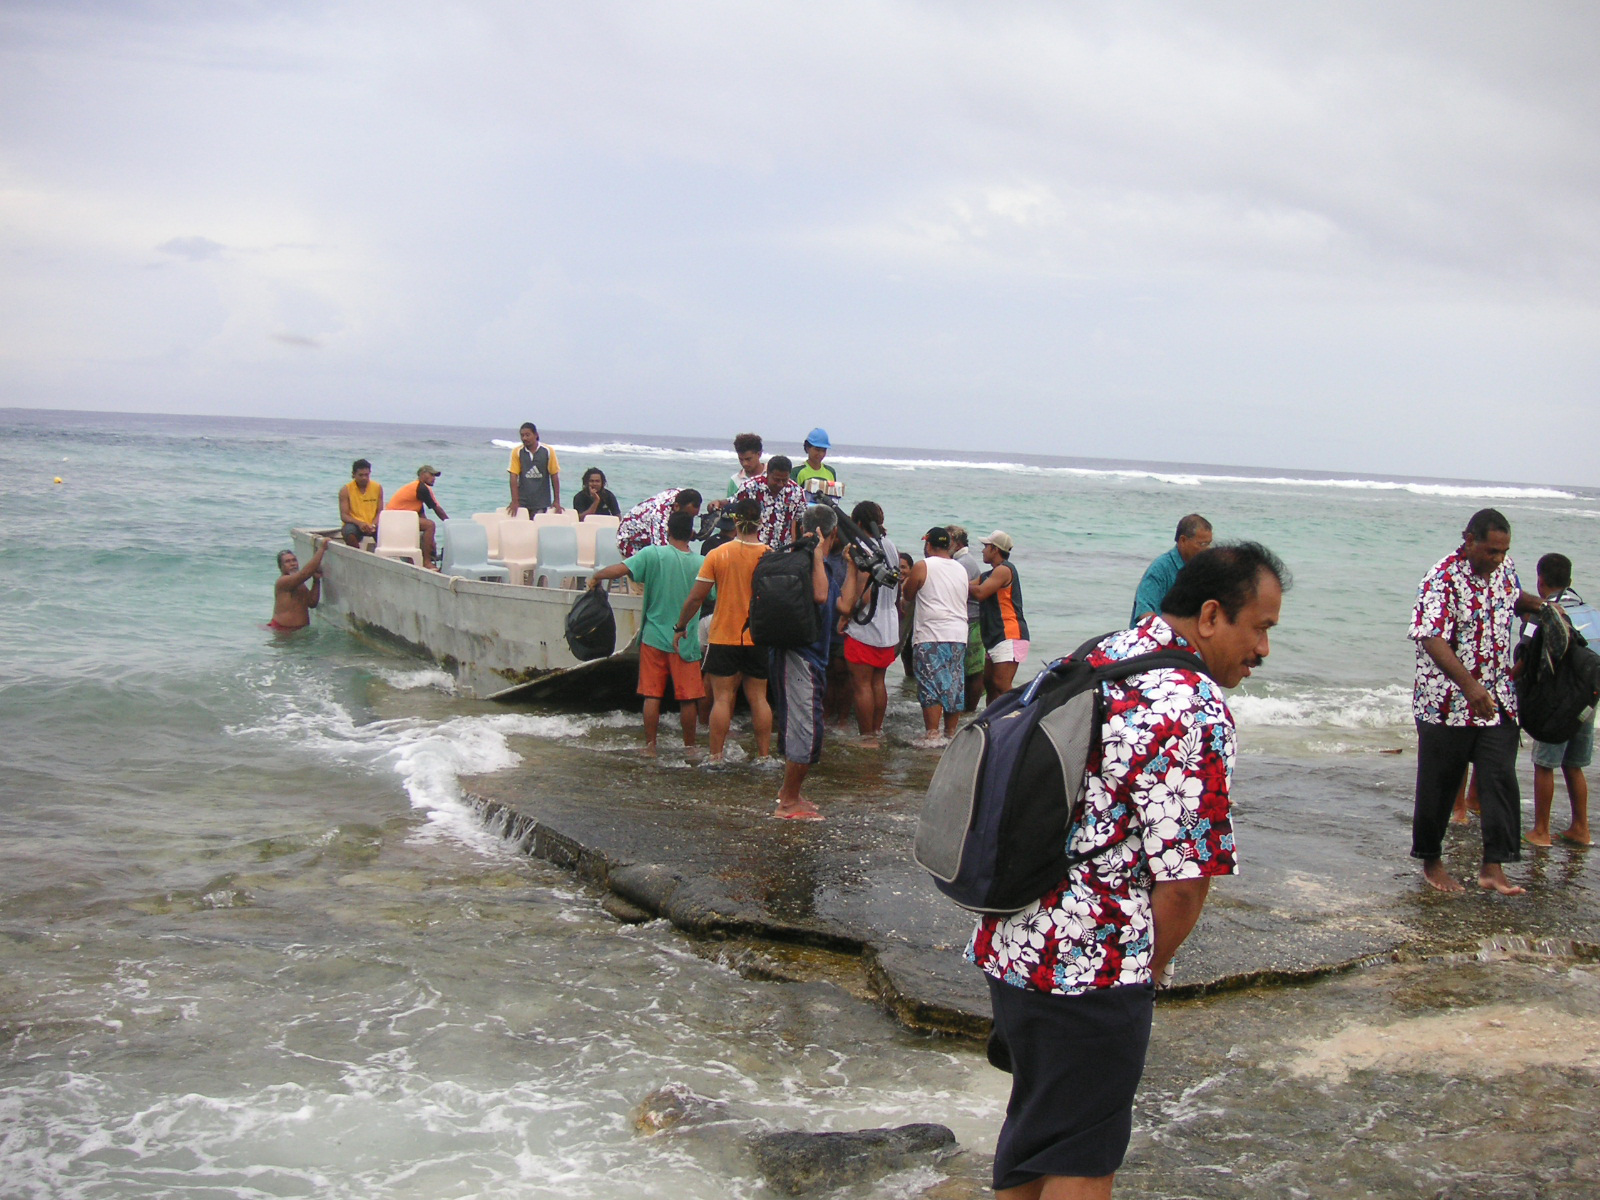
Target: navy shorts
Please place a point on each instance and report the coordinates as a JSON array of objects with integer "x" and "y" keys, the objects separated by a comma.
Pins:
[
  {"x": 750, "y": 661},
  {"x": 1075, "y": 1065}
]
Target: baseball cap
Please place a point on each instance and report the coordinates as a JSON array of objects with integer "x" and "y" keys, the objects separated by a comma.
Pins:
[
  {"x": 938, "y": 537},
  {"x": 427, "y": 470},
  {"x": 999, "y": 539},
  {"x": 818, "y": 437}
]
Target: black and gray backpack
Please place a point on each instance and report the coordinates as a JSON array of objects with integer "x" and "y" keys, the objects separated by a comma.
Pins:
[{"x": 1003, "y": 800}]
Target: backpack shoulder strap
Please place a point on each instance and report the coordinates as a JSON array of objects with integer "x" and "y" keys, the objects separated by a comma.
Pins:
[{"x": 1183, "y": 660}]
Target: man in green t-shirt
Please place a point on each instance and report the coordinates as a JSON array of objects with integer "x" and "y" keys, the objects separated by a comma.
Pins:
[
  {"x": 667, "y": 574},
  {"x": 816, "y": 445}
]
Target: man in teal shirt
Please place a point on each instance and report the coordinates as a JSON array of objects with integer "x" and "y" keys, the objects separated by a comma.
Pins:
[
  {"x": 1193, "y": 536},
  {"x": 667, "y": 574}
]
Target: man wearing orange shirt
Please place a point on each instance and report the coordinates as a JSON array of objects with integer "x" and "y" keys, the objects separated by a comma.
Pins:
[
  {"x": 732, "y": 658},
  {"x": 416, "y": 496}
]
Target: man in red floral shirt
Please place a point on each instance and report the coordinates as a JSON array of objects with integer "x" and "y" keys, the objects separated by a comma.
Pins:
[
  {"x": 1072, "y": 976},
  {"x": 782, "y": 501},
  {"x": 1464, "y": 702},
  {"x": 645, "y": 524}
]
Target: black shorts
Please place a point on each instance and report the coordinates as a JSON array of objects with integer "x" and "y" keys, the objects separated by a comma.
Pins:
[
  {"x": 1076, "y": 1063},
  {"x": 749, "y": 661}
]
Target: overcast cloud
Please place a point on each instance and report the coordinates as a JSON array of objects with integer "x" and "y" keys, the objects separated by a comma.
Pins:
[{"x": 1355, "y": 237}]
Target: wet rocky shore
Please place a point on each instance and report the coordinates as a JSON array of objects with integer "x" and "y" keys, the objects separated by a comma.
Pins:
[{"x": 1326, "y": 885}]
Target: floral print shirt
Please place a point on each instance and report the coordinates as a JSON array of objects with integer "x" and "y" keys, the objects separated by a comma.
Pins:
[
  {"x": 1158, "y": 779},
  {"x": 646, "y": 523},
  {"x": 778, "y": 513},
  {"x": 1474, "y": 616}
]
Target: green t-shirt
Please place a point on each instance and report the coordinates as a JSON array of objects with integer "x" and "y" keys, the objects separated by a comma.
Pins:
[
  {"x": 668, "y": 575},
  {"x": 809, "y": 472}
]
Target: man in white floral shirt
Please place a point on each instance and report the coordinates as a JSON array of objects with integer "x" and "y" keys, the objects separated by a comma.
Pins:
[
  {"x": 1464, "y": 702},
  {"x": 1072, "y": 976}
]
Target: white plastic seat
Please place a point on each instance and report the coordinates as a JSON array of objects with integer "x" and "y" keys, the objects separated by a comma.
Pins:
[
  {"x": 464, "y": 551},
  {"x": 519, "y": 548},
  {"x": 545, "y": 519},
  {"x": 607, "y": 553},
  {"x": 588, "y": 530},
  {"x": 558, "y": 556},
  {"x": 399, "y": 536},
  {"x": 491, "y": 524}
]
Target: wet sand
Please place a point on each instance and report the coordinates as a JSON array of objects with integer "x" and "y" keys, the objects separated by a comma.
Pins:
[{"x": 1326, "y": 883}]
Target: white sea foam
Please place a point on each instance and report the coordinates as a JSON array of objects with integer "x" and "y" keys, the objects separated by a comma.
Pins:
[
  {"x": 1174, "y": 478},
  {"x": 426, "y": 677},
  {"x": 1323, "y": 708},
  {"x": 428, "y": 757}
]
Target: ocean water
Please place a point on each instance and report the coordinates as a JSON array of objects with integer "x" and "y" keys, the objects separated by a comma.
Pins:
[{"x": 255, "y": 944}]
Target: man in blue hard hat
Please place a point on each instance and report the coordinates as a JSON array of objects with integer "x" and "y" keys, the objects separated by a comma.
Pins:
[{"x": 816, "y": 446}]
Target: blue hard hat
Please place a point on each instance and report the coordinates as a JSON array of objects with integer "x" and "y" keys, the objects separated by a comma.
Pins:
[{"x": 818, "y": 437}]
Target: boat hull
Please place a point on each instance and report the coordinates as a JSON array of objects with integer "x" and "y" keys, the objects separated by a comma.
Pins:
[{"x": 500, "y": 641}]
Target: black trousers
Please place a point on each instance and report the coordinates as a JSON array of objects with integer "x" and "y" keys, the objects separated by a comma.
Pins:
[{"x": 1443, "y": 754}]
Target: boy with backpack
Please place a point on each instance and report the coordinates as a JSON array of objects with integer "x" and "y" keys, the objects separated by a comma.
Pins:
[
  {"x": 800, "y": 673},
  {"x": 1554, "y": 575}
]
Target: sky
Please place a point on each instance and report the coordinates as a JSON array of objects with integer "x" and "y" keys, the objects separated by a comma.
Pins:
[{"x": 1357, "y": 237}]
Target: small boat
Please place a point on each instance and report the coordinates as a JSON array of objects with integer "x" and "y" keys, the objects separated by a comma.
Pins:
[{"x": 501, "y": 641}]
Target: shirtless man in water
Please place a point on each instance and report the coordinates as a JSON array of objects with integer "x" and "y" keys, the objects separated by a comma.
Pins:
[{"x": 293, "y": 599}]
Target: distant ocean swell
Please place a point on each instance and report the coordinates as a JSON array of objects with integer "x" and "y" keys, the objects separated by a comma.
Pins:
[{"x": 1487, "y": 491}]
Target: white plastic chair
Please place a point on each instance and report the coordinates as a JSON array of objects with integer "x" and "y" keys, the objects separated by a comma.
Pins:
[
  {"x": 491, "y": 525},
  {"x": 519, "y": 548},
  {"x": 558, "y": 556},
  {"x": 464, "y": 550},
  {"x": 586, "y": 534},
  {"x": 607, "y": 553},
  {"x": 588, "y": 530},
  {"x": 399, "y": 536},
  {"x": 546, "y": 520}
]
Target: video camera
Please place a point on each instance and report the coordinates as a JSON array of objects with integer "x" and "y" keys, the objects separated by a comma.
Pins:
[{"x": 865, "y": 549}]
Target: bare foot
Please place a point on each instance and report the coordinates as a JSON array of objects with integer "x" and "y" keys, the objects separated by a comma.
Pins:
[
  {"x": 797, "y": 810},
  {"x": 1492, "y": 878},
  {"x": 1438, "y": 878},
  {"x": 869, "y": 741},
  {"x": 714, "y": 760},
  {"x": 1535, "y": 837},
  {"x": 1459, "y": 817},
  {"x": 929, "y": 741},
  {"x": 1576, "y": 836},
  {"x": 648, "y": 750}
]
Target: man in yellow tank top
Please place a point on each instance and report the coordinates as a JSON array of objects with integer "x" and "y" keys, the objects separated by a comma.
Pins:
[{"x": 359, "y": 503}]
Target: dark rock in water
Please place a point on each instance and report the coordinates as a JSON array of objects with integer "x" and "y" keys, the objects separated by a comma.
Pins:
[
  {"x": 794, "y": 1163},
  {"x": 628, "y": 914},
  {"x": 673, "y": 1105}
]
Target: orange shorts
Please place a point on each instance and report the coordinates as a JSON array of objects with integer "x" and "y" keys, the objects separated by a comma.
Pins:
[{"x": 656, "y": 665}]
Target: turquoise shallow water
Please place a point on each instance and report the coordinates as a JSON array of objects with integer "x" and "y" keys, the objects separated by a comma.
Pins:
[{"x": 254, "y": 944}]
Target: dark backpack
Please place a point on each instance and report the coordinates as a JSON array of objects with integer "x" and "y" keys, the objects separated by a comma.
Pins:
[
  {"x": 591, "y": 626},
  {"x": 1003, "y": 800},
  {"x": 784, "y": 613},
  {"x": 1558, "y": 681}
]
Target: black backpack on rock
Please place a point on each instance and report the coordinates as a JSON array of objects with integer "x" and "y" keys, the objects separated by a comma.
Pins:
[{"x": 784, "y": 615}]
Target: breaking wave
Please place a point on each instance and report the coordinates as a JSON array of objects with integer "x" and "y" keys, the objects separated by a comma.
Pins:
[{"x": 1154, "y": 473}]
